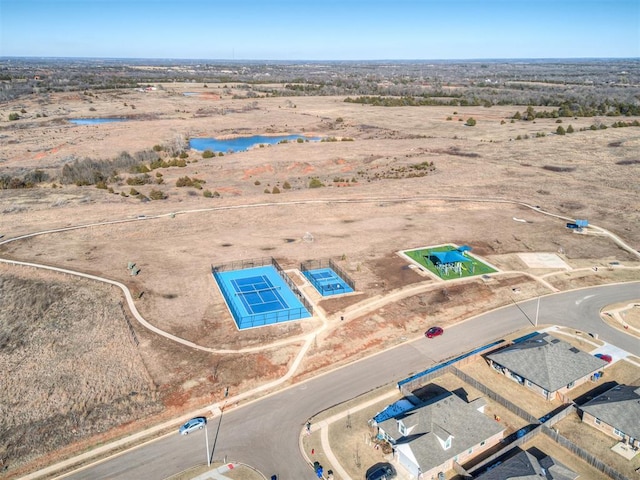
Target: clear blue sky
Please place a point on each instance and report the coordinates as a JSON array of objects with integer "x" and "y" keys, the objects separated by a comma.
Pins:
[{"x": 320, "y": 29}]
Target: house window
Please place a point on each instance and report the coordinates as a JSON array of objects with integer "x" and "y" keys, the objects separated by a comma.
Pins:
[
  {"x": 545, "y": 393},
  {"x": 570, "y": 385},
  {"x": 482, "y": 443},
  {"x": 402, "y": 429},
  {"x": 470, "y": 451},
  {"x": 529, "y": 384},
  {"x": 618, "y": 432},
  {"x": 597, "y": 421},
  {"x": 447, "y": 444}
]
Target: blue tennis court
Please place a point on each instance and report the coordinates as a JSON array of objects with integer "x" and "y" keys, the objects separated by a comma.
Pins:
[
  {"x": 259, "y": 296},
  {"x": 327, "y": 282}
]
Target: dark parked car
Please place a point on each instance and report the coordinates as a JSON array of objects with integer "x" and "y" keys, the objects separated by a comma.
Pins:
[
  {"x": 433, "y": 332},
  {"x": 381, "y": 471},
  {"x": 197, "y": 423}
]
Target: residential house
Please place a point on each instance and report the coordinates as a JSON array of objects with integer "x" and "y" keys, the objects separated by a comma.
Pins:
[
  {"x": 547, "y": 365},
  {"x": 524, "y": 466},
  {"x": 616, "y": 412},
  {"x": 428, "y": 438}
]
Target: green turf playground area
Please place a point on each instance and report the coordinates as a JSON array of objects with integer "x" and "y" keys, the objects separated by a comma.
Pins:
[{"x": 449, "y": 262}]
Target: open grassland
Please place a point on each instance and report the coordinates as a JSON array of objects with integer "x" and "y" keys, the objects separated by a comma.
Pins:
[{"x": 70, "y": 364}]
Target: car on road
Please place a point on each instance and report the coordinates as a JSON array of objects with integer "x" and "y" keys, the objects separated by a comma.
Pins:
[
  {"x": 197, "y": 423},
  {"x": 381, "y": 471},
  {"x": 433, "y": 332},
  {"x": 604, "y": 356}
]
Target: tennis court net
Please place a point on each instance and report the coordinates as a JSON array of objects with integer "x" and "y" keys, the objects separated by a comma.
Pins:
[{"x": 260, "y": 290}]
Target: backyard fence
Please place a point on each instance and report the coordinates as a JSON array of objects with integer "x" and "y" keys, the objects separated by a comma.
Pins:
[
  {"x": 519, "y": 438},
  {"x": 583, "y": 454},
  {"x": 495, "y": 396}
]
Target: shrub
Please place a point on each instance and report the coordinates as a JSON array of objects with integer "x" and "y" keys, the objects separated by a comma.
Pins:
[
  {"x": 560, "y": 130},
  {"x": 449, "y": 117},
  {"x": 184, "y": 182},
  {"x": 471, "y": 122},
  {"x": 300, "y": 140},
  {"x": 570, "y": 129},
  {"x": 286, "y": 185},
  {"x": 208, "y": 154},
  {"x": 275, "y": 190},
  {"x": 102, "y": 185},
  {"x": 14, "y": 116},
  {"x": 207, "y": 194},
  {"x": 139, "y": 179},
  {"x": 134, "y": 192},
  {"x": 157, "y": 195},
  {"x": 257, "y": 182},
  {"x": 266, "y": 190},
  {"x": 183, "y": 155},
  {"x": 157, "y": 148},
  {"x": 315, "y": 183}
]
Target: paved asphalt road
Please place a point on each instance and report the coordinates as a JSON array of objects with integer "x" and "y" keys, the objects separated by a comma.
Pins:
[{"x": 264, "y": 434}]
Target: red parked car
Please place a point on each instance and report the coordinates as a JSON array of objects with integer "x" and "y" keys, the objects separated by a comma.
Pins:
[{"x": 433, "y": 332}]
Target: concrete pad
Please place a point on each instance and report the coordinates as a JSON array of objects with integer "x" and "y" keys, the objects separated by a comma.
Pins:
[
  {"x": 625, "y": 450},
  {"x": 543, "y": 260}
]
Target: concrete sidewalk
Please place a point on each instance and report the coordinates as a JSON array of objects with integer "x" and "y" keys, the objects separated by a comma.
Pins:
[{"x": 323, "y": 427}]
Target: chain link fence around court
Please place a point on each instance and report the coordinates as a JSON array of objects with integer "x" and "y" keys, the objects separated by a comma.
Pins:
[
  {"x": 244, "y": 320},
  {"x": 325, "y": 263}
]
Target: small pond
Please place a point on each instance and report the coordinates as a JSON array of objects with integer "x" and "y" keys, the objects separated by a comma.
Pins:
[{"x": 242, "y": 144}]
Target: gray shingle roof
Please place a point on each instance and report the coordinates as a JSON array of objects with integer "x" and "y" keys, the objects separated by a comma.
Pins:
[
  {"x": 618, "y": 407},
  {"x": 547, "y": 361},
  {"x": 448, "y": 415},
  {"x": 524, "y": 466}
]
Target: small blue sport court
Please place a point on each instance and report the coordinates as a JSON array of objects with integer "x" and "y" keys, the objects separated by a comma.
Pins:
[
  {"x": 259, "y": 296},
  {"x": 327, "y": 282}
]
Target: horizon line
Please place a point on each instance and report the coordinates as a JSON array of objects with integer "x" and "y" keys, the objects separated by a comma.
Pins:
[{"x": 390, "y": 60}]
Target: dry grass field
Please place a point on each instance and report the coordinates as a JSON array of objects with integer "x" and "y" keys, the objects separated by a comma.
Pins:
[{"x": 360, "y": 223}]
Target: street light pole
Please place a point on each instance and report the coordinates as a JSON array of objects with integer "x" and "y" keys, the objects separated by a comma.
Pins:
[
  {"x": 206, "y": 439},
  {"x": 537, "y": 311}
]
